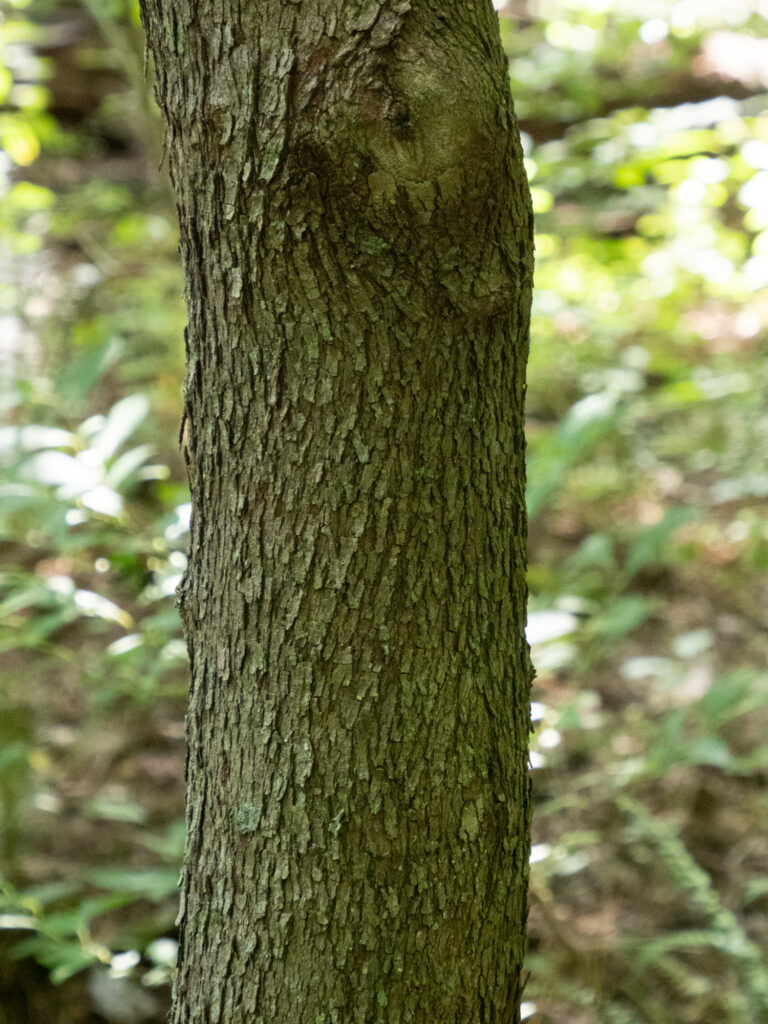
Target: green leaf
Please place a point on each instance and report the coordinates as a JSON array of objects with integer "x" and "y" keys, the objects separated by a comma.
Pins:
[
  {"x": 155, "y": 884},
  {"x": 651, "y": 545}
]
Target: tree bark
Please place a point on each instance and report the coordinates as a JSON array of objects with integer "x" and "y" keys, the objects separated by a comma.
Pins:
[{"x": 357, "y": 240}]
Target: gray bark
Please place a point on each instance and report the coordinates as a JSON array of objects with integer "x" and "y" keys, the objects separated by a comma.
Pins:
[{"x": 357, "y": 241}]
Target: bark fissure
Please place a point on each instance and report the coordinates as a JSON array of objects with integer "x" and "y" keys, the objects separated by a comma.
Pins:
[{"x": 356, "y": 234}]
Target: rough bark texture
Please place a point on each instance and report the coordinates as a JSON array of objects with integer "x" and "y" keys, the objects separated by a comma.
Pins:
[{"x": 357, "y": 238}]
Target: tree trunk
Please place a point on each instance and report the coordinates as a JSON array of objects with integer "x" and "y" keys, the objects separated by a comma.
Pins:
[{"x": 357, "y": 241}]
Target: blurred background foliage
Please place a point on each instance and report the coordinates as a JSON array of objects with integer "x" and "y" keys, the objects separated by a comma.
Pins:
[{"x": 646, "y": 138}]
